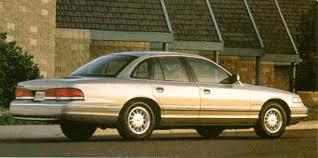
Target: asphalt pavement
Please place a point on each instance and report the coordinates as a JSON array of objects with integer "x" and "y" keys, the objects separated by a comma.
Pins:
[{"x": 298, "y": 141}]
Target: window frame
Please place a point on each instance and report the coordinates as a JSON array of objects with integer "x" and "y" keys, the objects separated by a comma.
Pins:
[
  {"x": 149, "y": 68},
  {"x": 211, "y": 62},
  {"x": 78, "y": 70},
  {"x": 189, "y": 75}
]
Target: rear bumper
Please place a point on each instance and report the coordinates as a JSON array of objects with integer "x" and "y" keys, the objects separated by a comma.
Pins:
[
  {"x": 298, "y": 114},
  {"x": 69, "y": 110}
]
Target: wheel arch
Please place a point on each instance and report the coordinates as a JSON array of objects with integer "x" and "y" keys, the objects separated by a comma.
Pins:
[
  {"x": 283, "y": 104},
  {"x": 153, "y": 105}
]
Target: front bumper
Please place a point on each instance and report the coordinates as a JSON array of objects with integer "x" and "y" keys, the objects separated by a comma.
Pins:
[
  {"x": 298, "y": 114},
  {"x": 69, "y": 110}
]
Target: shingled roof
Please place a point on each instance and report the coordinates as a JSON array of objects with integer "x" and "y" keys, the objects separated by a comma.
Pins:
[
  {"x": 111, "y": 15},
  {"x": 299, "y": 16},
  {"x": 234, "y": 23},
  {"x": 191, "y": 20},
  {"x": 271, "y": 27}
]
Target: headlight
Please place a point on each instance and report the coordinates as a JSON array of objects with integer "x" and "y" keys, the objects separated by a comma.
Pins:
[{"x": 297, "y": 100}]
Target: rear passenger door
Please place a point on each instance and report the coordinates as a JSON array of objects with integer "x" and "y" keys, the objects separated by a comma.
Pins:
[{"x": 174, "y": 90}]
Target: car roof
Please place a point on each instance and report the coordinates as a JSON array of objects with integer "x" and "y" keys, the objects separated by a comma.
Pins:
[{"x": 157, "y": 53}]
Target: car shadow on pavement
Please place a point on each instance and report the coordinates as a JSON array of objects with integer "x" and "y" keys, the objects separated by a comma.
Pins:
[{"x": 116, "y": 138}]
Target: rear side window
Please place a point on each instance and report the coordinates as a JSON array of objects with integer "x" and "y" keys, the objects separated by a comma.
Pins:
[
  {"x": 142, "y": 70},
  {"x": 173, "y": 69},
  {"x": 206, "y": 71}
]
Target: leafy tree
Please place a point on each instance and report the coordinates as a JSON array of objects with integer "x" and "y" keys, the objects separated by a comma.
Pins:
[{"x": 15, "y": 66}]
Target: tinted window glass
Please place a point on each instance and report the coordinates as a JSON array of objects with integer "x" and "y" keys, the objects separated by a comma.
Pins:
[
  {"x": 206, "y": 71},
  {"x": 173, "y": 69},
  {"x": 142, "y": 71},
  {"x": 157, "y": 71},
  {"x": 109, "y": 66}
]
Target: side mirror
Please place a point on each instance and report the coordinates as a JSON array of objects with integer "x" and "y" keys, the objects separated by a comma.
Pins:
[
  {"x": 232, "y": 79},
  {"x": 235, "y": 78}
]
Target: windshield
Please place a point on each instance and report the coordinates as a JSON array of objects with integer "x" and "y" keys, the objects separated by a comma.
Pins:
[{"x": 107, "y": 66}]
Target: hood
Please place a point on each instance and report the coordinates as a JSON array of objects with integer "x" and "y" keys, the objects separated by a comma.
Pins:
[
  {"x": 42, "y": 84},
  {"x": 266, "y": 89}
]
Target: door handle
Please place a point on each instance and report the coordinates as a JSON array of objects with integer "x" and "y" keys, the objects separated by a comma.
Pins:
[
  {"x": 206, "y": 91},
  {"x": 159, "y": 89}
]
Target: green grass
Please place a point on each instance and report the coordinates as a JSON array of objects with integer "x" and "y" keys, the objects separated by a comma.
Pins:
[{"x": 6, "y": 119}]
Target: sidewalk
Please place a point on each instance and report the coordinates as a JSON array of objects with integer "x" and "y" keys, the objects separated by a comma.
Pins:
[{"x": 53, "y": 131}]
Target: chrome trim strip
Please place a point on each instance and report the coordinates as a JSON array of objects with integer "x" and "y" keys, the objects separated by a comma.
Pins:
[
  {"x": 299, "y": 115},
  {"x": 37, "y": 104},
  {"x": 89, "y": 113},
  {"x": 35, "y": 118},
  {"x": 88, "y": 106},
  {"x": 180, "y": 108},
  {"x": 23, "y": 98},
  {"x": 209, "y": 116},
  {"x": 206, "y": 108}
]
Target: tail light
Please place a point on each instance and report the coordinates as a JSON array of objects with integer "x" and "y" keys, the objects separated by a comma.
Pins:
[
  {"x": 23, "y": 94},
  {"x": 64, "y": 94}
]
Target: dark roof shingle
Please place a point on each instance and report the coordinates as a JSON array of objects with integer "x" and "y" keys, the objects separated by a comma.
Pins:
[
  {"x": 191, "y": 20},
  {"x": 299, "y": 16},
  {"x": 111, "y": 15},
  {"x": 234, "y": 22},
  {"x": 271, "y": 27}
]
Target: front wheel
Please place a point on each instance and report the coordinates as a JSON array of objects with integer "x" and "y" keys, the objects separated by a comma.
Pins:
[
  {"x": 77, "y": 131},
  {"x": 136, "y": 121},
  {"x": 272, "y": 121},
  {"x": 209, "y": 132}
]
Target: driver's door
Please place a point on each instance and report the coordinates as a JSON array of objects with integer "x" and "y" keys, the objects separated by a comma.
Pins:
[{"x": 221, "y": 104}]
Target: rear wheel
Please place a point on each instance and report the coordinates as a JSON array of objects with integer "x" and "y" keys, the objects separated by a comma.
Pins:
[
  {"x": 272, "y": 121},
  {"x": 76, "y": 130},
  {"x": 209, "y": 132},
  {"x": 136, "y": 121}
]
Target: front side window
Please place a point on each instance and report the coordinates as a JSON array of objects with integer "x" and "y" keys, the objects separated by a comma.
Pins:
[
  {"x": 173, "y": 69},
  {"x": 206, "y": 71},
  {"x": 108, "y": 66}
]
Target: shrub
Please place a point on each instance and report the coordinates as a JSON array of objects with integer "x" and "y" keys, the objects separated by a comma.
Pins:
[{"x": 15, "y": 66}]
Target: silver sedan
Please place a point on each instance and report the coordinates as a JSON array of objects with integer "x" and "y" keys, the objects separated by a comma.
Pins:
[{"x": 138, "y": 92}]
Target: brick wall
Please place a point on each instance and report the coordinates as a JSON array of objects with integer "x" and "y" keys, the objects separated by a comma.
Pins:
[
  {"x": 72, "y": 50},
  {"x": 99, "y": 48},
  {"x": 271, "y": 75},
  {"x": 31, "y": 23},
  {"x": 282, "y": 77}
]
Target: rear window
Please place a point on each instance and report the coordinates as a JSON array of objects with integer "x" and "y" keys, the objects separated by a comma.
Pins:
[{"x": 108, "y": 66}]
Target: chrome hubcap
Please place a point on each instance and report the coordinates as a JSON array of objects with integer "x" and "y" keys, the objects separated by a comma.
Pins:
[
  {"x": 138, "y": 120},
  {"x": 273, "y": 120}
]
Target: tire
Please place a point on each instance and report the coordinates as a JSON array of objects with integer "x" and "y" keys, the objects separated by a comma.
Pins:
[
  {"x": 77, "y": 131},
  {"x": 136, "y": 121},
  {"x": 209, "y": 132},
  {"x": 272, "y": 121}
]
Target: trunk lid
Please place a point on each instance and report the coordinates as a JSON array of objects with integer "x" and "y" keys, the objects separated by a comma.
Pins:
[{"x": 67, "y": 82}]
